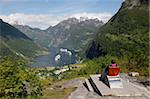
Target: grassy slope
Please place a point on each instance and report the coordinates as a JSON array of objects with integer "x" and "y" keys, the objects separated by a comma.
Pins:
[{"x": 125, "y": 36}]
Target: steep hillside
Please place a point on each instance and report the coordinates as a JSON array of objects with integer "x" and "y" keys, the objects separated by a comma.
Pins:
[
  {"x": 125, "y": 35},
  {"x": 73, "y": 33},
  {"x": 14, "y": 42}
]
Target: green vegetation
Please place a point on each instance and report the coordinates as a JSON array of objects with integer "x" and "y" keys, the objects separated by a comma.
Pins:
[
  {"x": 17, "y": 80},
  {"x": 89, "y": 67}
]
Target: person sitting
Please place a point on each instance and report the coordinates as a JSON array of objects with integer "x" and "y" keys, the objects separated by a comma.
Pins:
[
  {"x": 113, "y": 69},
  {"x": 106, "y": 70},
  {"x": 113, "y": 64}
]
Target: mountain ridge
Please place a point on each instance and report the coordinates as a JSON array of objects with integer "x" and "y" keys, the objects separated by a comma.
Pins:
[
  {"x": 6, "y": 32},
  {"x": 57, "y": 36}
]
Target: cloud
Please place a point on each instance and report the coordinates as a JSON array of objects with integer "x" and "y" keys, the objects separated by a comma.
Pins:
[
  {"x": 43, "y": 21},
  {"x": 40, "y": 21}
]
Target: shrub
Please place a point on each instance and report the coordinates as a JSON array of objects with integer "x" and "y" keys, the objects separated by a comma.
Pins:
[{"x": 17, "y": 80}]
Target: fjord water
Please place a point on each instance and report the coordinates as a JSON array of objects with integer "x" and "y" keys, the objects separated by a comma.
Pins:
[
  {"x": 49, "y": 59},
  {"x": 44, "y": 61}
]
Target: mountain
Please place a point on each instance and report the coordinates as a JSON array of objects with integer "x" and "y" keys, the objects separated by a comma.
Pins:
[
  {"x": 74, "y": 33},
  {"x": 71, "y": 33},
  {"x": 39, "y": 36},
  {"x": 14, "y": 42},
  {"x": 126, "y": 34}
]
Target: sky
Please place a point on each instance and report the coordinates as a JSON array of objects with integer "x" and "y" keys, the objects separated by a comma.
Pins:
[{"x": 45, "y": 13}]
